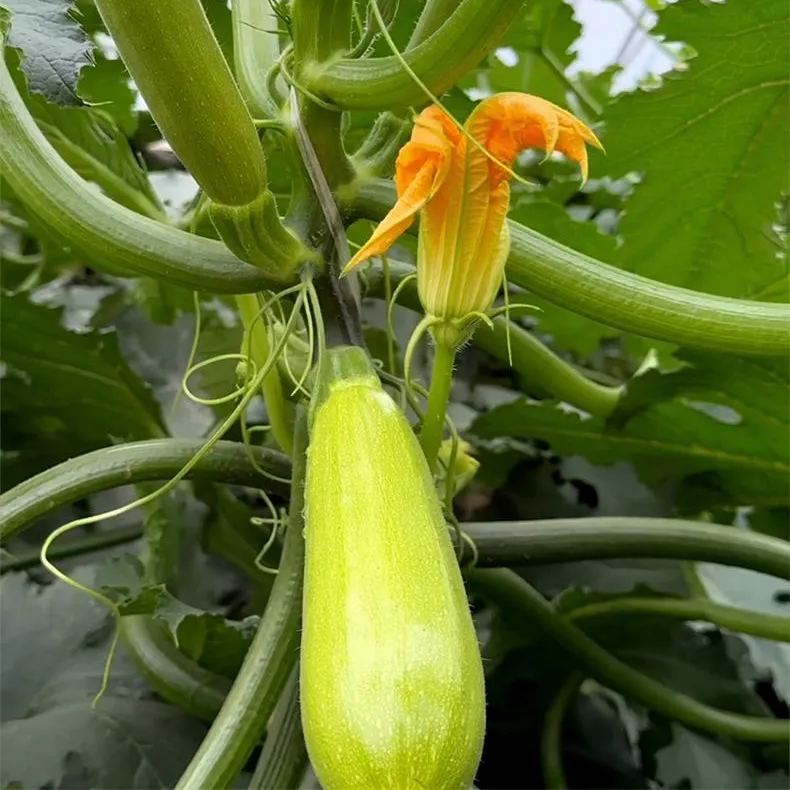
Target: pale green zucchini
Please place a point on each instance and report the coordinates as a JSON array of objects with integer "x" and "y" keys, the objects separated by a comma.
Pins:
[{"x": 391, "y": 674}]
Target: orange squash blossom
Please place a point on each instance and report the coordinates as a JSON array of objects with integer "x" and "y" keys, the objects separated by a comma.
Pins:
[{"x": 463, "y": 195}]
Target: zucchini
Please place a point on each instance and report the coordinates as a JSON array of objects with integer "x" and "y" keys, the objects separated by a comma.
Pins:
[{"x": 391, "y": 674}]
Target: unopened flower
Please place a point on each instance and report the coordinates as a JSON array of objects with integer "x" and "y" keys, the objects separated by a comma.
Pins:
[{"x": 463, "y": 195}]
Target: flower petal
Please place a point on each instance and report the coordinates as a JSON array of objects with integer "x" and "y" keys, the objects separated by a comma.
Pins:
[
  {"x": 506, "y": 123},
  {"x": 419, "y": 172}
]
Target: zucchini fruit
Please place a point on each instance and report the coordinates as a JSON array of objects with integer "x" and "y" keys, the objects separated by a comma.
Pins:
[{"x": 391, "y": 675}]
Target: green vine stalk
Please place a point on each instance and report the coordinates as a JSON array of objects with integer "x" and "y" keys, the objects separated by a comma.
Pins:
[
  {"x": 240, "y": 724},
  {"x": 473, "y": 29},
  {"x": 497, "y": 543},
  {"x": 618, "y": 298},
  {"x": 135, "y": 462},
  {"x": 514, "y": 596}
]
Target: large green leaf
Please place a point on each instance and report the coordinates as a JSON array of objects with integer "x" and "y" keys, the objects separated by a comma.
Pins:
[
  {"x": 541, "y": 41},
  {"x": 54, "y": 47},
  {"x": 739, "y": 587},
  {"x": 120, "y": 743},
  {"x": 207, "y": 638},
  {"x": 106, "y": 84},
  {"x": 711, "y": 144},
  {"x": 64, "y": 392},
  {"x": 694, "y": 760},
  {"x": 720, "y": 424}
]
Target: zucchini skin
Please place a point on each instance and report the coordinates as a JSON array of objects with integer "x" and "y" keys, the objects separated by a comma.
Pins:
[{"x": 391, "y": 675}]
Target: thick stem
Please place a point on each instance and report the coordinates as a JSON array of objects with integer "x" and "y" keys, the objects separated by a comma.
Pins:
[
  {"x": 169, "y": 672},
  {"x": 515, "y": 597},
  {"x": 256, "y": 49},
  {"x": 278, "y": 409},
  {"x": 434, "y": 14},
  {"x": 498, "y": 543},
  {"x": 283, "y": 759},
  {"x": 551, "y": 740},
  {"x": 112, "y": 237},
  {"x": 321, "y": 30},
  {"x": 473, "y": 30},
  {"x": 240, "y": 723},
  {"x": 438, "y": 398},
  {"x": 618, "y": 298},
  {"x": 136, "y": 462},
  {"x": 765, "y": 626},
  {"x": 611, "y": 537}
]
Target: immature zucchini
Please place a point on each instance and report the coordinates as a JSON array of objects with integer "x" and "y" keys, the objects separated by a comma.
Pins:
[
  {"x": 170, "y": 50},
  {"x": 391, "y": 675}
]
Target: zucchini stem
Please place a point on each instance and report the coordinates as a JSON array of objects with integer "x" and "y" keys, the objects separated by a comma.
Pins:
[
  {"x": 241, "y": 722},
  {"x": 438, "y": 398},
  {"x": 508, "y": 591},
  {"x": 551, "y": 741},
  {"x": 278, "y": 409}
]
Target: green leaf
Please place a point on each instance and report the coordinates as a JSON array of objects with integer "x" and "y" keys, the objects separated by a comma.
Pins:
[
  {"x": 106, "y": 84},
  {"x": 722, "y": 424},
  {"x": 761, "y": 593},
  {"x": 207, "y": 638},
  {"x": 120, "y": 743},
  {"x": 64, "y": 393},
  {"x": 693, "y": 760},
  {"x": 541, "y": 39},
  {"x": 218, "y": 13},
  {"x": 54, "y": 47},
  {"x": 42, "y": 629},
  {"x": 711, "y": 143},
  {"x": 54, "y": 643}
]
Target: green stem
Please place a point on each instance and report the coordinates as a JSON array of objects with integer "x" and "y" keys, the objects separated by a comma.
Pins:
[
  {"x": 513, "y": 595},
  {"x": 283, "y": 759},
  {"x": 240, "y": 723},
  {"x": 438, "y": 398},
  {"x": 551, "y": 740},
  {"x": 176, "y": 678},
  {"x": 136, "y": 462},
  {"x": 255, "y": 50},
  {"x": 536, "y": 365},
  {"x": 611, "y": 537},
  {"x": 321, "y": 29},
  {"x": 498, "y": 543},
  {"x": 112, "y": 237},
  {"x": 434, "y": 14},
  {"x": 71, "y": 548},
  {"x": 278, "y": 409},
  {"x": 113, "y": 185},
  {"x": 177, "y": 64},
  {"x": 618, "y": 298},
  {"x": 377, "y": 154},
  {"x": 465, "y": 38},
  {"x": 742, "y": 621}
]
